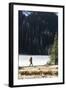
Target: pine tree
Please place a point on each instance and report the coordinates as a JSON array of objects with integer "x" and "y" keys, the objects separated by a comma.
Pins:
[{"x": 54, "y": 52}]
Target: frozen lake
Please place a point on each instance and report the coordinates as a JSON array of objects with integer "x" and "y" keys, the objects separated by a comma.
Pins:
[{"x": 36, "y": 60}]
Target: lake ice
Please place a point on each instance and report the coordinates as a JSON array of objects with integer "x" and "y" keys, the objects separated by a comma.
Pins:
[{"x": 36, "y": 60}]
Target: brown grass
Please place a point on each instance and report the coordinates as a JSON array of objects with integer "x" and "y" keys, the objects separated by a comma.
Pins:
[{"x": 38, "y": 71}]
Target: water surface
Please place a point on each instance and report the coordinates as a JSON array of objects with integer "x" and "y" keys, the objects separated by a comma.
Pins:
[{"x": 36, "y": 60}]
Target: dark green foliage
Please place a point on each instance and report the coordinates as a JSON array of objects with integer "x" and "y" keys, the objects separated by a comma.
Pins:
[
  {"x": 54, "y": 51},
  {"x": 36, "y": 32}
]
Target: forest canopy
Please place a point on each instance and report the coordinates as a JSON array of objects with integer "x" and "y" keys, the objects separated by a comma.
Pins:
[{"x": 37, "y": 32}]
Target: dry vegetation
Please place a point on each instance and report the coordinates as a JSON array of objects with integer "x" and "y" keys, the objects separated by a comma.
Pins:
[{"x": 38, "y": 71}]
